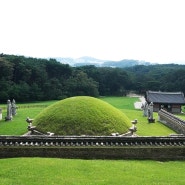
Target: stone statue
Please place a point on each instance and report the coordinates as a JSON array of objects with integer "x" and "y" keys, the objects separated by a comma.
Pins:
[
  {"x": 132, "y": 129},
  {"x": 29, "y": 121},
  {"x": 150, "y": 113},
  {"x": 9, "y": 111},
  {"x": 14, "y": 112},
  {"x": 1, "y": 116},
  {"x": 145, "y": 109},
  {"x": 30, "y": 126}
]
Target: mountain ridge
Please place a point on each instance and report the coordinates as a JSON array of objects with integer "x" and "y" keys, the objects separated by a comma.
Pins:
[{"x": 86, "y": 60}]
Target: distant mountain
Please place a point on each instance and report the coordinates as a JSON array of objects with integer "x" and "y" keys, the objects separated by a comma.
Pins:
[
  {"x": 69, "y": 61},
  {"x": 124, "y": 63},
  {"x": 84, "y": 61}
]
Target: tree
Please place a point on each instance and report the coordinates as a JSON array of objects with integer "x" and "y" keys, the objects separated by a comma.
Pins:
[
  {"x": 53, "y": 89},
  {"x": 80, "y": 84},
  {"x": 6, "y": 69}
]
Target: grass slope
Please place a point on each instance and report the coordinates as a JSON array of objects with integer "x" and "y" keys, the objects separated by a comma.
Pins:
[{"x": 82, "y": 115}]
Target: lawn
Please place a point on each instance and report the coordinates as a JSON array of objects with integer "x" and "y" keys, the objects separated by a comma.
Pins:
[
  {"x": 41, "y": 171},
  {"x": 126, "y": 105},
  {"x": 18, "y": 125}
]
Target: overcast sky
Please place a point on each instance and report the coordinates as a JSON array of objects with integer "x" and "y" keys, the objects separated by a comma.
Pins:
[{"x": 149, "y": 30}]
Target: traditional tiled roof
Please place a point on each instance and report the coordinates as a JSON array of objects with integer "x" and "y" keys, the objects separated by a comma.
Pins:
[{"x": 165, "y": 97}]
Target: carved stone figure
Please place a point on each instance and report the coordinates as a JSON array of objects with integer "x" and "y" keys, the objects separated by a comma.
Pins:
[
  {"x": 9, "y": 111},
  {"x": 1, "y": 116},
  {"x": 14, "y": 112},
  {"x": 132, "y": 129},
  {"x": 150, "y": 113},
  {"x": 145, "y": 109}
]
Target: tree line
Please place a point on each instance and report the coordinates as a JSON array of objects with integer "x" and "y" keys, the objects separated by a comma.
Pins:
[{"x": 32, "y": 79}]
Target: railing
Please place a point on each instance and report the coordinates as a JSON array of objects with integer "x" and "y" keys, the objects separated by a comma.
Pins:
[
  {"x": 94, "y": 147},
  {"x": 99, "y": 141},
  {"x": 27, "y": 106}
]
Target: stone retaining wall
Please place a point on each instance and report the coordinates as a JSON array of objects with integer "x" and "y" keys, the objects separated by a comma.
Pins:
[
  {"x": 155, "y": 148},
  {"x": 154, "y": 153}
]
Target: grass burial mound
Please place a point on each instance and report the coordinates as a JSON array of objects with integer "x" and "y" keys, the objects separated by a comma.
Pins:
[{"x": 82, "y": 115}]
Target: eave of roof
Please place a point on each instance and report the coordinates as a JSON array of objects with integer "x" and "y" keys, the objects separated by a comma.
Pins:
[{"x": 165, "y": 97}]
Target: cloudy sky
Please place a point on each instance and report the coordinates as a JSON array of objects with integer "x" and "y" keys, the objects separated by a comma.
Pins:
[{"x": 149, "y": 30}]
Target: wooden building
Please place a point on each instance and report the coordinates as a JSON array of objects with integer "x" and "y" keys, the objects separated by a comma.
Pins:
[{"x": 169, "y": 101}]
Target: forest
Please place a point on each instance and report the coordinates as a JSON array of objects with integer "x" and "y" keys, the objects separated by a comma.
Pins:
[{"x": 28, "y": 79}]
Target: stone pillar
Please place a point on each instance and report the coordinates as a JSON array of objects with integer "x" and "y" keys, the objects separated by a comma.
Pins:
[
  {"x": 1, "y": 116},
  {"x": 9, "y": 111},
  {"x": 14, "y": 108}
]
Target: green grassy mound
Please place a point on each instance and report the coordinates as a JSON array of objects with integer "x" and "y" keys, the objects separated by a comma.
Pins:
[{"x": 82, "y": 115}]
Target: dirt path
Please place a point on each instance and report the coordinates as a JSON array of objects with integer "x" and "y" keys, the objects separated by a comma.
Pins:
[{"x": 138, "y": 105}]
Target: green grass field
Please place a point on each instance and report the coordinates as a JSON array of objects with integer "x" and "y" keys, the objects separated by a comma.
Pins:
[
  {"x": 42, "y": 171},
  {"x": 18, "y": 125},
  {"x": 126, "y": 105}
]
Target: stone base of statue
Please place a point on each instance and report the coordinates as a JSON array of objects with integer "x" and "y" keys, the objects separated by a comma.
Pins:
[
  {"x": 151, "y": 120},
  {"x": 8, "y": 118}
]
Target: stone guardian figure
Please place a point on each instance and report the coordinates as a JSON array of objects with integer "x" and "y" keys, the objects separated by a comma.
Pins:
[
  {"x": 9, "y": 111},
  {"x": 1, "y": 116},
  {"x": 14, "y": 112},
  {"x": 150, "y": 113},
  {"x": 145, "y": 109}
]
